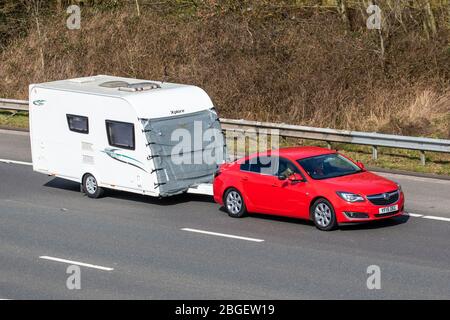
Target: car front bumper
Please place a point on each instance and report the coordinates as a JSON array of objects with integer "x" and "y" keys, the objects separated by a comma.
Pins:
[{"x": 368, "y": 209}]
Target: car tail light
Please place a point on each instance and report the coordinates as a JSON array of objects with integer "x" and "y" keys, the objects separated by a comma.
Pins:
[{"x": 220, "y": 169}]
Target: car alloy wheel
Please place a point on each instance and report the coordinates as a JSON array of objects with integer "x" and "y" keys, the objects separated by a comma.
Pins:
[
  {"x": 323, "y": 215},
  {"x": 234, "y": 203}
]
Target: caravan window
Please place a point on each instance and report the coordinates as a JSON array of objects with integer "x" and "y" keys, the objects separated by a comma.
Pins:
[
  {"x": 78, "y": 124},
  {"x": 120, "y": 134}
]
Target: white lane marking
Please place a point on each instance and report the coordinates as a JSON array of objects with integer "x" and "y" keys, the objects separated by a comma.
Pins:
[
  {"x": 436, "y": 218},
  {"x": 222, "y": 235},
  {"x": 81, "y": 264},
  {"x": 16, "y": 162},
  {"x": 415, "y": 215}
]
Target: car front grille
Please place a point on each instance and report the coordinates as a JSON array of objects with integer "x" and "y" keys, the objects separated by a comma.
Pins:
[{"x": 383, "y": 199}]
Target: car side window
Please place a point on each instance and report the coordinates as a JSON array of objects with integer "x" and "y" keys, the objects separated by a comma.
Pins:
[
  {"x": 286, "y": 168},
  {"x": 262, "y": 165},
  {"x": 259, "y": 164},
  {"x": 245, "y": 166}
]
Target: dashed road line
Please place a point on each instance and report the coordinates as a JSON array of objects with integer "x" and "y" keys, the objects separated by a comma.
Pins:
[
  {"x": 16, "y": 162},
  {"x": 422, "y": 216},
  {"x": 415, "y": 215},
  {"x": 81, "y": 264},
  {"x": 436, "y": 218},
  {"x": 222, "y": 235}
]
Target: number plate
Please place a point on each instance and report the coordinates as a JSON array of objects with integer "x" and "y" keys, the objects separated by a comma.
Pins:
[{"x": 388, "y": 209}]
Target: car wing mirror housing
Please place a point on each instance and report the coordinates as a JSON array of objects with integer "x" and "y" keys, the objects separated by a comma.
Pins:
[
  {"x": 361, "y": 165},
  {"x": 296, "y": 178}
]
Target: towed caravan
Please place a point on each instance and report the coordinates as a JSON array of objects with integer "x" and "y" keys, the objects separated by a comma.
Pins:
[{"x": 147, "y": 137}]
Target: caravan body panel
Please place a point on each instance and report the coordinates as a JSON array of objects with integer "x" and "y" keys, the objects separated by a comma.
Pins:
[{"x": 58, "y": 151}]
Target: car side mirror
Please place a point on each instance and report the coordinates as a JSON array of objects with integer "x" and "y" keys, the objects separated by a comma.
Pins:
[
  {"x": 360, "y": 165},
  {"x": 296, "y": 178}
]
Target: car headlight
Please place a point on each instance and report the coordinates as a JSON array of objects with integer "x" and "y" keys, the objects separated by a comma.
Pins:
[
  {"x": 399, "y": 186},
  {"x": 350, "y": 197}
]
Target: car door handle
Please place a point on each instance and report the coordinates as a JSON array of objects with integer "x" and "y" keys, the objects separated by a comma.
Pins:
[{"x": 244, "y": 178}]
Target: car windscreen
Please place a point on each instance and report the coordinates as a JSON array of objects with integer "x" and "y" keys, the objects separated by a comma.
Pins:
[{"x": 328, "y": 166}]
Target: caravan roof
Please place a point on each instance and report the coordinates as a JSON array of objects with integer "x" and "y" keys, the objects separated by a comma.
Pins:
[{"x": 149, "y": 98}]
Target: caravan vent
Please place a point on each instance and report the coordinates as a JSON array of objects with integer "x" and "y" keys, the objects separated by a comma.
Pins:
[
  {"x": 142, "y": 86},
  {"x": 114, "y": 84}
]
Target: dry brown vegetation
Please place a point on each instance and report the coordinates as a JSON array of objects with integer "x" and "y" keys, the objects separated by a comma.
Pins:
[{"x": 279, "y": 63}]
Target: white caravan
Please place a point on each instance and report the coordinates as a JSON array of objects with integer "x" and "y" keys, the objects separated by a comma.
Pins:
[{"x": 148, "y": 137}]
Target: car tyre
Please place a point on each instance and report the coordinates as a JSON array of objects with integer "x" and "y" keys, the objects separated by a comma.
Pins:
[
  {"x": 323, "y": 215},
  {"x": 234, "y": 203},
  {"x": 90, "y": 187}
]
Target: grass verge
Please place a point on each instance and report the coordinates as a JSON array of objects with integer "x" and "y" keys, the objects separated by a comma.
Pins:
[{"x": 14, "y": 120}]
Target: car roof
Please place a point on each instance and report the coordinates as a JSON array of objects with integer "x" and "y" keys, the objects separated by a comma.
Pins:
[{"x": 294, "y": 153}]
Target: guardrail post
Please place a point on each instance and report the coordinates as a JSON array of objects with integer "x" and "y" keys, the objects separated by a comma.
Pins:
[
  {"x": 257, "y": 138},
  {"x": 422, "y": 157},
  {"x": 329, "y": 145},
  {"x": 246, "y": 145},
  {"x": 374, "y": 152}
]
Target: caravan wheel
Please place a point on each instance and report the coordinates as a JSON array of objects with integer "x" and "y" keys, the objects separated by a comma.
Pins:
[{"x": 90, "y": 186}]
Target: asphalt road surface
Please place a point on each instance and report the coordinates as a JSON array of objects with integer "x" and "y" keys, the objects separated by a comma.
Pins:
[{"x": 136, "y": 247}]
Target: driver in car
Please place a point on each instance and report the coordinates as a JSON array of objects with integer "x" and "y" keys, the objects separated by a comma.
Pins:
[
  {"x": 318, "y": 168},
  {"x": 287, "y": 172}
]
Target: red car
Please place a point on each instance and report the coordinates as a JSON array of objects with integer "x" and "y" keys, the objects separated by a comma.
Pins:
[{"x": 308, "y": 183}]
